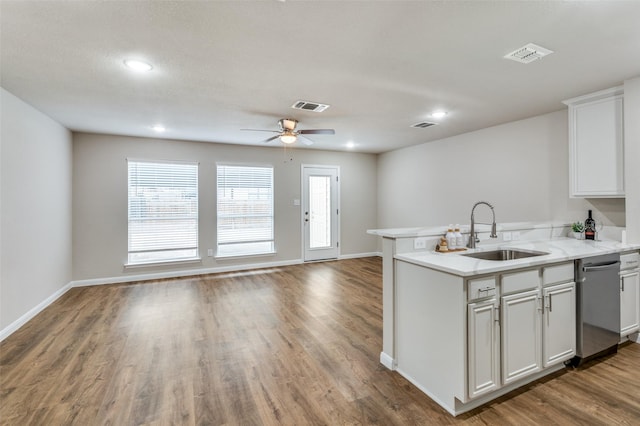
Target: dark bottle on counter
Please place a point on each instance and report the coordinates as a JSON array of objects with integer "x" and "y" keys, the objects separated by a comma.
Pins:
[{"x": 589, "y": 228}]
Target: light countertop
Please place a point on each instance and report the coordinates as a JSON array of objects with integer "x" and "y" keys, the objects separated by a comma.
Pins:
[
  {"x": 464, "y": 228},
  {"x": 560, "y": 249}
]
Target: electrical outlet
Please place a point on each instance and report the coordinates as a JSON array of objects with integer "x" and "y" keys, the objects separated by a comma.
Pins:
[
  {"x": 506, "y": 236},
  {"x": 296, "y": 202},
  {"x": 210, "y": 252},
  {"x": 419, "y": 243}
]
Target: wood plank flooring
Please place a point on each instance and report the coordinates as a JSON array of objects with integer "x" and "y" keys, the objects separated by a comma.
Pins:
[{"x": 294, "y": 345}]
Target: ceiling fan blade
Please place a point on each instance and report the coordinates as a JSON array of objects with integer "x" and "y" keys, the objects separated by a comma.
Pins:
[
  {"x": 271, "y": 138},
  {"x": 261, "y": 130},
  {"x": 317, "y": 132},
  {"x": 305, "y": 140}
]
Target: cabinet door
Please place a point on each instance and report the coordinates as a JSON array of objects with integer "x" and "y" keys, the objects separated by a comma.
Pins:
[
  {"x": 483, "y": 362},
  {"x": 596, "y": 148},
  {"x": 521, "y": 335},
  {"x": 629, "y": 302},
  {"x": 559, "y": 323}
]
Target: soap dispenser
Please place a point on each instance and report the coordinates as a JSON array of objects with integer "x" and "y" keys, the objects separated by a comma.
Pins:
[
  {"x": 451, "y": 238},
  {"x": 459, "y": 238}
]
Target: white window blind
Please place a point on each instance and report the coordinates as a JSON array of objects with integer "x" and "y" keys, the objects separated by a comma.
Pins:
[
  {"x": 163, "y": 211},
  {"x": 245, "y": 210}
]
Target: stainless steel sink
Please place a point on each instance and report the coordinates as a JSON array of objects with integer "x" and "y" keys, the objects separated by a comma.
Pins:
[{"x": 501, "y": 255}]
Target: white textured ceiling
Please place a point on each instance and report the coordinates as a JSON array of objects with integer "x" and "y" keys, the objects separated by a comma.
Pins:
[{"x": 382, "y": 66}]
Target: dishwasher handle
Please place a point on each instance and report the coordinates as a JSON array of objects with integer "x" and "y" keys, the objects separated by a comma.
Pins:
[{"x": 600, "y": 267}]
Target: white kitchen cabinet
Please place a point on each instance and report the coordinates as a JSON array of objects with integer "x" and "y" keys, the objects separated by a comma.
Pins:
[
  {"x": 521, "y": 335},
  {"x": 559, "y": 323},
  {"x": 629, "y": 302},
  {"x": 596, "y": 154},
  {"x": 484, "y": 347}
]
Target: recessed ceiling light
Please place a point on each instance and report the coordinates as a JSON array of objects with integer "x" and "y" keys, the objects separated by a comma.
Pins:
[
  {"x": 439, "y": 114},
  {"x": 159, "y": 128},
  {"x": 137, "y": 65},
  {"x": 351, "y": 145}
]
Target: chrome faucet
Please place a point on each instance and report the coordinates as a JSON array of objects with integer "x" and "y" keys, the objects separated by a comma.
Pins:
[{"x": 473, "y": 237}]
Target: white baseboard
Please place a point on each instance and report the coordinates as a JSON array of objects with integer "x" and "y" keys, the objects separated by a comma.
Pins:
[
  {"x": 181, "y": 273},
  {"x": 200, "y": 271},
  {"x": 359, "y": 255},
  {"x": 387, "y": 361},
  {"x": 11, "y": 328}
]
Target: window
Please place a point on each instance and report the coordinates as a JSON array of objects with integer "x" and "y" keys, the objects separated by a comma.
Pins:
[
  {"x": 163, "y": 211},
  {"x": 245, "y": 210}
]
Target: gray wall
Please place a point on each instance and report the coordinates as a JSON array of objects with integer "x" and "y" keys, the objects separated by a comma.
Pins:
[
  {"x": 35, "y": 227},
  {"x": 632, "y": 157},
  {"x": 100, "y": 199},
  {"x": 520, "y": 167}
]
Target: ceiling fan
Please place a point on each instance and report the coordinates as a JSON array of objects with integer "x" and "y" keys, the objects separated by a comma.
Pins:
[{"x": 288, "y": 133}]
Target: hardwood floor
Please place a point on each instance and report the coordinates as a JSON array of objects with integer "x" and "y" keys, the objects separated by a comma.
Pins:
[{"x": 293, "y": 345}]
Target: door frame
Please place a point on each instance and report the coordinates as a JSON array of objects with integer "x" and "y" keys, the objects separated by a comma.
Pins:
[{"x": 302, "y": 206}]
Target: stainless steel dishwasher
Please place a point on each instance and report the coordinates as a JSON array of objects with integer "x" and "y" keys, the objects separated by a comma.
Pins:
[{"x": 598, "y": 305}]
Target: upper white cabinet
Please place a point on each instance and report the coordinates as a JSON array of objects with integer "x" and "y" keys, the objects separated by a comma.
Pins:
[{"x": 596, "y": 151}]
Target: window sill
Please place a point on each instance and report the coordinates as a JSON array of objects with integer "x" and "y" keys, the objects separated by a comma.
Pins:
[
  {"x": 162, "y": 263},
  {"x": 243, "y": 256}
]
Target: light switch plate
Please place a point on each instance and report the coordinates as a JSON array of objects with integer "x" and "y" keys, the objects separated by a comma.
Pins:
[
  {"x": 296, "y": 202},
  {"x": 515, "y": 235},
  {"x": 210, "y": 252},
  {"x": 506, "y": 236}
]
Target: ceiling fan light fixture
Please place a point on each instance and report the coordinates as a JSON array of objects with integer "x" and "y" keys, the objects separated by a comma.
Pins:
[
  {"x": 287, "y": 124},
  {"x": 288, "y": 138}
]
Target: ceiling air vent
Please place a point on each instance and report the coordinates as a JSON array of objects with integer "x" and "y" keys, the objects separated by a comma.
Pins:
[
  {"x": 309, "y": 106},
  {"x": 528, "y": 53},
  {"x": 423, "y": 125}
]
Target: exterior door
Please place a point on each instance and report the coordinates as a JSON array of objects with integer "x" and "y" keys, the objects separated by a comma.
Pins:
[{"x": 320, "y": 212}]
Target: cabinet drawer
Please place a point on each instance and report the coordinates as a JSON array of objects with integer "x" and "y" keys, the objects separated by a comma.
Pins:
[
  {"x": 481, "y": 288},
  {"x": 520, "y": 281},
  {"x": 630, "y": 261},
  {"x": 558, "y": 273}
]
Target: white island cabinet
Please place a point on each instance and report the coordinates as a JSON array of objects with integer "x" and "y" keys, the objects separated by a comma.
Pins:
[
  {"x": 559, "y": 314},
  {"x": 466, "y": 330},
  {"x": 465, "y": 341},
  {"x": 521, "y": 325},
  {"x": 483, "y": 331},
  {"x": 629, "y": 293}
]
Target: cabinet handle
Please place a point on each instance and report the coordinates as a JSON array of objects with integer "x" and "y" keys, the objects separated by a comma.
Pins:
[
  {"x": 487, "y": 290},
  {"x": 550, "y": 308},
  {"x": 497, "y": 317},
  {"x": 622, "y": 282}
]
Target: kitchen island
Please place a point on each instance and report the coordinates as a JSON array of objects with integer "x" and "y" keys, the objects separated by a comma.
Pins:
[{"x": 466, "y": 330}]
